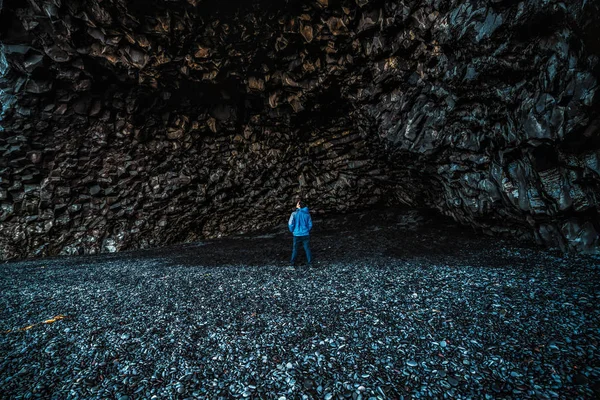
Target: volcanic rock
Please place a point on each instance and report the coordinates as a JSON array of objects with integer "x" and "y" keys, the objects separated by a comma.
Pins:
[{"x": 200, "y": 119}]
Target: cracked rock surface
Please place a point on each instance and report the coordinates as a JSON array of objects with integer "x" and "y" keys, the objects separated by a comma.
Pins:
[
  {"x": 134, "y": 124},
  {"x": 397, "y": 307}
]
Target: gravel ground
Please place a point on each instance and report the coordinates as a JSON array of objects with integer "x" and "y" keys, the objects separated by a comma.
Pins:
[{"x": 397, "y": 307}]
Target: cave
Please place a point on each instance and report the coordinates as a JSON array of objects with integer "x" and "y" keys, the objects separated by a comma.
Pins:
[
  {"x": 153, "y": 150},
  {"x": 135, "y": 124}
]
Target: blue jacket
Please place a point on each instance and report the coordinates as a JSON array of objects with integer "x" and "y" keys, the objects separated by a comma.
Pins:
[{"x": 300, "y": 222}]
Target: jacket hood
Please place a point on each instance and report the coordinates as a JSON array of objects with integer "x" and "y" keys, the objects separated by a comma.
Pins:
[{"x": 304, "y": 209}]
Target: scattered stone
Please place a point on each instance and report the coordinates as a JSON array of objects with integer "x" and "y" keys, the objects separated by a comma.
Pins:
[{"x": 223, "y": 318}]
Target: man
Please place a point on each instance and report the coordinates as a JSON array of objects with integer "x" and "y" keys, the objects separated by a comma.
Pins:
[{"x": 300, "y": 225}]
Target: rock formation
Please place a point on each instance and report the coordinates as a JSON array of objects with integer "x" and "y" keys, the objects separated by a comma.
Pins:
[{"x": 132, "y": 124}]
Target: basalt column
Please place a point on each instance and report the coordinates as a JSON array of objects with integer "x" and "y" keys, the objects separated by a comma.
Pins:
[{"x": 130, "y": 124}]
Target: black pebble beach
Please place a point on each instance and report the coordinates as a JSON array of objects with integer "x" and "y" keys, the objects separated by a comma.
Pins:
[{"x": 396, "y": 307}]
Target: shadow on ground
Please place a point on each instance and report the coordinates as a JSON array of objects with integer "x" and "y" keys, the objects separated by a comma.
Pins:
[{"x": 392, "y": 234}]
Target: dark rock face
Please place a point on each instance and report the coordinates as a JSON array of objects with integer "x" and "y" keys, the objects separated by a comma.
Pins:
[{"x": 130, "y": 124}]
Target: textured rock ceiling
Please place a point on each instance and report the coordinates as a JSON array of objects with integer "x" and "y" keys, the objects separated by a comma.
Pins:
[{"x": 130, "y": 124}]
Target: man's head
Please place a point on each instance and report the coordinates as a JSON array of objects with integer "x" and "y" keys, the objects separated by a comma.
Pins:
[{"x": 300, "y": 204}]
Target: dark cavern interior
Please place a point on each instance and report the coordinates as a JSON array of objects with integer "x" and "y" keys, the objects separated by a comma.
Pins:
[
  {"x": 433, "y": 138},
  {"x": 134, "y": 124}
]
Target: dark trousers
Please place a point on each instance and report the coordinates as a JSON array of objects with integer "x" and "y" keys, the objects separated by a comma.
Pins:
[{"x": 304, "y": 240}]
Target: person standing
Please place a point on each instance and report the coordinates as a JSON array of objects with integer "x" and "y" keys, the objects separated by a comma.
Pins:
[{"x": 300, "y": 224}]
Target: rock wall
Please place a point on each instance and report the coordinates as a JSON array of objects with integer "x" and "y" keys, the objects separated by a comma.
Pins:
[{"x": 130, "y": 124}]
